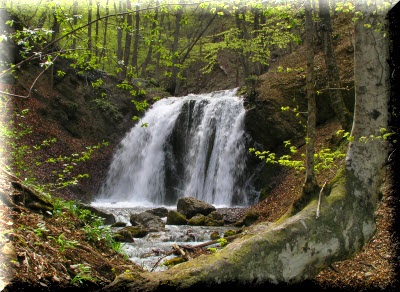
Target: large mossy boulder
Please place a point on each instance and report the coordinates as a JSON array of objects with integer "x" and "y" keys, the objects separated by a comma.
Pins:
[
  {"x": 248, "y": 219},
  {"x": 147, "y": 220},
  {"x": 127, "y": 234},
  {"x": 197, "y": 220},
  {"x": 176, "y": 218},
  {"x": 212, "y": 219},
  {"x": 190, "y": 206}
]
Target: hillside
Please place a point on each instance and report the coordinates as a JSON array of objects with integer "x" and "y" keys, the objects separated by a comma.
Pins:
[{"x": 63, "y": 111}]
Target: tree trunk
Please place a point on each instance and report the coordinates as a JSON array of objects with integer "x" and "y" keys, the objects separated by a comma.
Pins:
[
  {"x": 128, "y": 39},
  {"x": 153, "y": 36},
  {"x": 310, "y": 187},
  {"x": 89, "y": 31},
  {"x": 56, "y": 29},
  {"x": 96, "y": 34},
  {"x": 75, "y": 22},
  {"x": 335, "y": 93},
  {"x": 296, "y": 248},
  {"x": 241, "y": 26},
  {"x": 173, "y": 84},
  {"x": 136, "y": 43},
  {"x": 103, "y": 50},
  {"x": 119, "y": 36},
  {"x": 371, "y": 106},
  {"x": 158, "y": 54}
]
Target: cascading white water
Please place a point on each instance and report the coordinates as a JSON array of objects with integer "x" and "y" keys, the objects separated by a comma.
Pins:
[{"x": 192, "y": 146}]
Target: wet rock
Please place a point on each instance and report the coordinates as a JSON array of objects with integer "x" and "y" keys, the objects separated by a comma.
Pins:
[
  {"x": 118, "y": 224},
  {"x": 176, "y": 218},
  {"x": 128, "y": 233},
  {"x": 248, "y": 219},
  {"x": 197, "y": 220},
  {"x": 190, "y": 206},
  {"x": 214, "y": 235},
  {"x": 148, "y": 220},
  {"x": 232, "y": 215},
  {"x": 160, "y": 212}
]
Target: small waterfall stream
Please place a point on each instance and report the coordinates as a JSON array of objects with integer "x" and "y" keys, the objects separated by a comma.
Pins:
[
  {"x": 192, "y": 146},
  {"x": 150, "y": 251}
]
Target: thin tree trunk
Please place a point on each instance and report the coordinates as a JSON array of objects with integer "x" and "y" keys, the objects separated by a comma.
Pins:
[
  {"x": 194, "y": 42},
  {"x": 158, "y": 54},
  {"x": 150, "y": 50},
  {"x": 128, "y": 39},
  {"x": 172, "y": 88},
  {"x": 119, "y": 37},
  {"x": 55, "y": 28},
  {"x": 96, "y": 35},
  {"x": 310, "y": 186},
  {"x": 75, "y": 22},
  {"x": 136, "y": 42},
  {"x": 89, "y": 32},
  {"x": 335, "y": 93},
  {"x": 103, "y": 50},
  {"x": 241, "y": 26}
]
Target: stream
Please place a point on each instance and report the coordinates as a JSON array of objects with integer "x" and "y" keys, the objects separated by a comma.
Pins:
[
  {"x": 196, "y": 146},
  {"x": 147, "y": 251}
]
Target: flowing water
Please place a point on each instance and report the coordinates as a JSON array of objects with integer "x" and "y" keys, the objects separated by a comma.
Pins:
[
  {"x": 183, "y": 146},
  {"x": 150, "y": 251},
  {"x": 191, "y": 146}
]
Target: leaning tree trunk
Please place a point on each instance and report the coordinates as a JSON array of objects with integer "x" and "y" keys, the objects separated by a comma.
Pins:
[{"x": 296, "y": 248}]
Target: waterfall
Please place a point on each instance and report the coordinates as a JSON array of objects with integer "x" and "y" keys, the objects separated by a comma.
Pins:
[{"x": 192, "y": 146}]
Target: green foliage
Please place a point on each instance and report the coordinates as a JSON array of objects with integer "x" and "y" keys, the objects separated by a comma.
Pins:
[
  {"x": 345, "y": 6},
  {"x": 84, "y": 274},
  {"x": 63, "y": 242},
  {"x": 212, "y": 249},
  {"x": 53, "y": 29},
  {"x": 41, "y": 229},
  {"x": 94, "y": 226},
  {"x": 383, "y": 137},
  {"x": 13, "y": 134},
  {"x": 222, "y": 242},
  {"x": 108, "y": 107},
  {"x": 325, "y": 158},
  {"x": 97, "y": 83},
  {"x": 65, "y": 177},
  {"x": 96, "y": 230}
]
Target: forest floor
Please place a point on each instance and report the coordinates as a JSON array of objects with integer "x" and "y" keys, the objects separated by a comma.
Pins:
[{"x": 30, "y": 261}]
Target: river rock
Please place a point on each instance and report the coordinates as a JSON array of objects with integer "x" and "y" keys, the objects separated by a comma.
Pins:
[
  {"x": 128, "y": 233},
  {"x": 190, "y": 206},
  {"x": 176, "y": 218},
  {"x": 148, "y": 220},
  {"x": 160, "y": 212}
]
